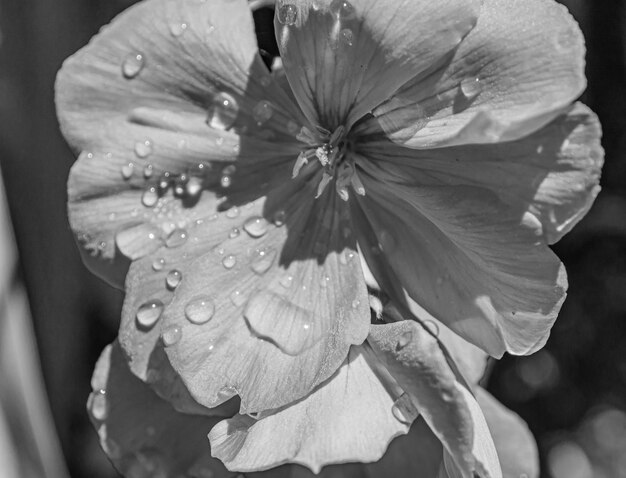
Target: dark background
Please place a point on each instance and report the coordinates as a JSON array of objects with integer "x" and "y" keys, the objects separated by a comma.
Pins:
[{"x": 572, "y": 393}]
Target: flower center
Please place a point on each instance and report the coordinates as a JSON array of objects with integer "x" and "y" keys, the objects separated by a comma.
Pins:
[{"x": 331, "y": 150}]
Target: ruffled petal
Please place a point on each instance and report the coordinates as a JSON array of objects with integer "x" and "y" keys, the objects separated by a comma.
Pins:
[
  {"x": 324, "y": 428},
  {"x": 480, "y": 217},
  {"x": 415, "y": 360},
  {"x": 344, "y": 58},
  {"x": 515, "y": 443},
  {"x": 417, "y": 455},
  {"x": 245, "y": 306},
  {"x": 159, "y": 105},
  {"x": 515, "y": 71},
  {"x": 142, "y": 434}
]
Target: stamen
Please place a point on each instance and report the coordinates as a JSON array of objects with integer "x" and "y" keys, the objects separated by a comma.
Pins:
[
  {"x": 323, "y": 183},
  {"x": 303, "y": 159},
  {"x": 356, "y": 183}
]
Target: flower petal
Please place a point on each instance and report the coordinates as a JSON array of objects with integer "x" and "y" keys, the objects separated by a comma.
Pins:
[
  {"x": 248, "y": 307},
  {"x": 515, "y": 71},
  {"x": 142, "y": 435},
  {"x": 515, "y": 443},
  {"x": 324, "y": 428},
  {"x": 170, "y": 90},
  {"x": 344, "y": 58},
  {"x": 414, "y": 358}
]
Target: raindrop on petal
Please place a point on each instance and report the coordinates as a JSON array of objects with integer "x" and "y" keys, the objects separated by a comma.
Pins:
[
  {"x": 150, "y": 197},
  {"x": 193, "y": 187},
  {"x": 286, "y": 281},
  {"x": 432, "y": 327},
  {"x": 158, "y": 264},
  {"x": 128, "y": 170},
  {"x": 222, "y": 111},
  {"x": 147, "y": 171},
  {"x": 177, "y": 238},
  {"x": 237, "y": 298},
  {"x": 149, "y": 312},
  {"x": 143, "y": 149},
  {"x": 200, "y": 310},
  {"x": 225, "y": 181},
  {"x": 279, "y": 218},
  {"x": 173, "y": 279},
  {"x": 356, "y": 303},
  {"x": 232, "y": 213},
  {"x": 256, "y": 226},
  {"x": 287, "y": 14},
  {"x": 234, "y": 233},
  {"x": 342, "y": 9},
  {"x": 229, "y": 261},
  {"x": 263, "y": 262},
  {"x": 471, "y": 88},
  {"x": 262, "y": 112},
  {"x": 98, "y": 405},
  {"x": 346, "y": 36},
  {"x": 171, "y": 335},
  {"x": 404, "y": 410},
  {"x": 132, "y": 65},
  {"x": 178, "y": 28}
]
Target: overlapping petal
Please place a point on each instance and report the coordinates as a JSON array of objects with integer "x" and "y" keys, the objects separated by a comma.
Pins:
[
  {"x": 171, "y": 91},
  {"x": 344, "y": 58},
  {"x": 347, "y": 419},
  {"x": 142, "y": 434},
  {"x": 479, "y": 219},
  {"x": 514, "y": 72}
]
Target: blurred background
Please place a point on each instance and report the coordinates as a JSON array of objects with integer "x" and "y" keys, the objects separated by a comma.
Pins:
[{"x": 572, "y": 393}]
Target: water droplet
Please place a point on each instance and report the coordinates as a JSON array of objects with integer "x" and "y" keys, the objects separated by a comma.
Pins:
[
  {"x": 173, "y": 279},
  {"x": 112, "y": 216},
  {"x": 345, "y": 257},
  {"x": 279, "y": 218},
  {"x": 404, "y": 340},
  {"x": 171, "y": 335},
  {"x": 286, "y": 281},
  {"x": 346, "y": 36},
  {"x": 237, "y": 298},
  {"x": 225, "y": 181},
  {"x": 234, "y": 233},
  {"x": 158, "y": 264},
  {"x": 132, "y": 65},
  {"x": 232, "y": 213},
  {"x": 98, "y": 405},
  {"x": 356, "y": 303},
  {"x": 287, "y": 14},
  {"x": 263, "y": 262},
  {"x": 226, "y": 393},
  {"x": 229, "y": 261},
  {"x": 178, "y": 28},
  {"x": 324, "y": 282},
  {"x": 147, "y": 171},
  {"x": 128, "y": 170},
  {"x": 222, "y": 112},
  {"x": 150, "y": 197},
  {"x": 193, "y": 187},
  {"x": 177, "y": 238},
  {"x": 149, "y": 312},
  {"x": 143, "y": 149},
  {"x": 262, "y": 112},
  {"x": 471, "y": 88},
  {"x": 256, "y": 226},
  {"x": 432, "y": 327},
  {"x": 342, "y": 9},
  {"x": 404, "y": 410},
  {"x": 200, "y": 310}
]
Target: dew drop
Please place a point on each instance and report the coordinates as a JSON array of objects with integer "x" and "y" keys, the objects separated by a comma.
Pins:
[
  {"x": 173, "y": 279},
  {"x": 287, "y": 14},
  {"x": 404, "y": 340},
  {"x": 256, "y": 226},
  {"x": 342, "y": 9},
  {"x": 200, "y": 310},
  {"x": 99, "y": 405},
  {"x": 404, "y": 410},
  {"x": 279, "y": 218},
  {"x": 432, "y": 327},
  {"x": 356, "y": 303},
  {"x": 193, "y": 187},
  {"x": 171, "y": 335},
  {"x": 229, "y": 261},
  {"x": 346, "y": 36},
  {"x": 178, "y": 28},
  {"x": 132, "y": 65},
  {"x": 149, "y": 312},
  {"x": 148, "y": 170},
  {"x": 150, "y": 197},
  {"x": 222, "y": 111},
  {"x": 324, "y": 282},
  {"x": 177, "y": 238},
  {"x": 471, "y": 88},
  {"x": 232, "y": 213},
  {"x": 128, "y": 170},
  {"x": 143, "y": 149},
  {"x": 263, "y": 262},
  {"x": 225, "y": 181},
  {"x": 237, "y": 298},
  {"x": 158, "y": 264},
  {"x": 226, "y": 393},
  {"x": 262, "y": 112},
  {"x": 234, "y": 233},
  {"x": 286, "y": 281}
]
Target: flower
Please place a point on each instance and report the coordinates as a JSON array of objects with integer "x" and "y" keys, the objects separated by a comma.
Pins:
[{"x": 411, "y": 158}]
